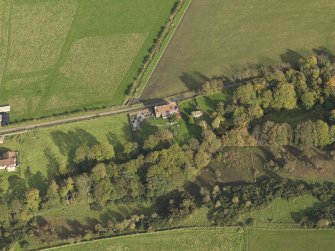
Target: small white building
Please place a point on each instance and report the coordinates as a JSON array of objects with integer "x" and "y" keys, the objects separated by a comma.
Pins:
[
  {"x": 197, "y": 114},
  {"x": 5, "y": 108}
]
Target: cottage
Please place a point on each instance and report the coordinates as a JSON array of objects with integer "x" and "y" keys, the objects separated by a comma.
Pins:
[
  {"x": 197, "y": 114},
  {"x": 166, "y": 111},
  {"x": 8, "y": 161},
  {"x": 136, "y": 118}
]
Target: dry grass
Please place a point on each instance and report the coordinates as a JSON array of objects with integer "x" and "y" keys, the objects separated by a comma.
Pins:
[
  {"x": 98, "y": 64},
  {"x": 39, "y": 32}
]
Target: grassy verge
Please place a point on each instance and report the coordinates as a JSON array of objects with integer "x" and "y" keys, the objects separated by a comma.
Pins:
[
  {"x": 153, "y": 64},
  {"x": 183, "y": 239}
]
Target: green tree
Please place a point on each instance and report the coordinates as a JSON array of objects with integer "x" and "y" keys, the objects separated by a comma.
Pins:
[
  {"x": 202, "y": 159},
  {"x": 102, "y": 152},
  {"x": 67, "y": 189},
  {"x": 245, "y": 95},
  {"x": 304, "y": 135},
  {"x": 4, "y": 215},
  {"x": 308, "y": 100},
  {"x": 216, "y": 123},
  {"x": 81, "y": 154},
  {"x": 52, "y": 197},
  {"x": 99, "y": 172},
  {"x": 33, "y": 199},
  {"x": 101, "y": 191},
  {"x": 323, "y": 133},
  {"x": 284, "y": 97},
  {"x": 83, "y": 186}
]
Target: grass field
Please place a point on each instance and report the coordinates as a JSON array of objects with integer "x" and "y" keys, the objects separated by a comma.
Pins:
[
  {"x": 42, "y": 150},
  {"x": 221, "y": 37},
  {"x": 63, "y": 55},
  {"x": 290, "y": 240},
  {"x": 187, "y": 239},
  {"x": 283, "y": 212}
]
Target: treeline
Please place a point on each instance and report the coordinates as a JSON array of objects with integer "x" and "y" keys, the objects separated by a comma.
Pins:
[
  {"x": 242, "y": 119},
  {"x": 155, "y": 48}
]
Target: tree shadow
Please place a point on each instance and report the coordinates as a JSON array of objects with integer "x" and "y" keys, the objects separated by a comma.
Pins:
[
  {"x": 76, "y": 227},
  {"x": 324, "y": 51},
  {"x": 17, "y": 187},
  {"x": 111, "y": 215},
  {"x": 38, "y": 181},
  {"x": 316, "y": 205},
  {"x": 154, "y": 101},
  {"x": 193, "y": 80},
  {"x": 69, "y": 142},
  {"x": 292, "y": 57},
  {"x": 53, "y": 162},
  {"x": 113, "y": 139}
]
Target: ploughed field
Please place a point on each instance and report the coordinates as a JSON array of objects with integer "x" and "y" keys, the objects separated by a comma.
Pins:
[
  {"x": 58, "y": 56},
  {"x": 222, "y": 37}
]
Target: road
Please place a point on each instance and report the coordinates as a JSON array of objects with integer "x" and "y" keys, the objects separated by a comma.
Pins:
[
  {"x": 25, "y": 128},
  {"x": 127, "y": 109}
]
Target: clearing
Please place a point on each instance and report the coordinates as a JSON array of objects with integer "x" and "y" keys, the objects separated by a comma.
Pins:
[{"x": 221, "y": 37}]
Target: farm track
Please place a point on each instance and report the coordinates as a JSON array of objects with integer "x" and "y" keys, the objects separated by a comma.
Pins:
[{"x": 121, "y": 110}]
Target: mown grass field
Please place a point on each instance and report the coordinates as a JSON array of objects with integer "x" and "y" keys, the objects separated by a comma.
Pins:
[
  {"x": 221, "y": 37},
  {"x": 64, "y": 55},
  {"x": 290, "y": 240},
  {"x": 186, "y": 239},
  {"x": 42, "y": 151}
]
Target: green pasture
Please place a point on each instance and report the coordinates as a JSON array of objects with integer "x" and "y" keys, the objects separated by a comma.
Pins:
[
  {"x": 222, "y": 37},
  {"x": 58, "y": 56},
  {"x": 41, "y": 151},
  {"x": 283, "y": 212},
  {"x": 290, "y": 240},
  {"x": 184, "y": 239}
]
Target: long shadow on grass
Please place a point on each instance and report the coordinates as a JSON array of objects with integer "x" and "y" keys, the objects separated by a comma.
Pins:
[
  {"x": 38, "y": 181},
  {"x": 292, "y": 57},
  {"x": 17, "y": 186},
  {"x": 68, "y": 142},
  {"x": 77, "y": 227},
  {"x": 193, "y": 80},
  {"x": 53, "y": 162},
  {"x": 325, "y": 52},
  {"x": 298, "y": 215}
]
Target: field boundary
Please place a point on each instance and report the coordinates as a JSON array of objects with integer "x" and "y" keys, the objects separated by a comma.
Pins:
[
  {"x": 158, "y": 231},
  {"x": 180, "y": 229},
  {"x": 156, "y": 58}
]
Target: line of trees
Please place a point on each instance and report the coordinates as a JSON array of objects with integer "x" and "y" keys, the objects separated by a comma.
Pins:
[{"x": 155, "y": 48}]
